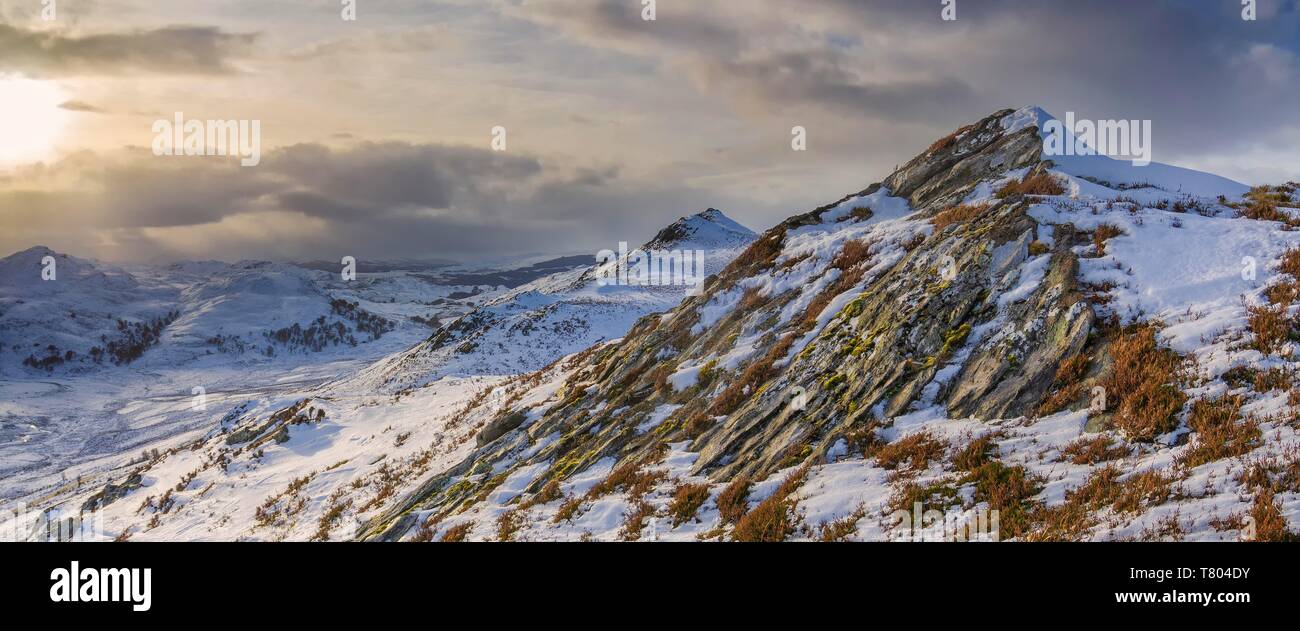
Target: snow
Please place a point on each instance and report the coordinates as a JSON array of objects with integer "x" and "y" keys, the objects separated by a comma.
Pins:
[
  {"x": 1197, "y": 296},
  {"x": 1168, "y": 178},
  {"x": 397, "y": 413}
]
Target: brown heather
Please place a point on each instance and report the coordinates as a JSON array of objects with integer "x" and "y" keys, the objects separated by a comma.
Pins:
[
  {"x": 1093, "y": 450},
  {"x": 1067, "y": 386},
  {"x": 949, "y": 140},
  {"x": 773, "y": 519},
  {"x": 912, "y": 453},
  {"x": 755, "y": 375},
  {"x": 1010, "y": 491},
  {"x": 1141, "y": 385},
  {"x": 687, "y": 500},
  {"x": 977, "y": 452},
  {"x": 1270, "y": 524},
  {"x": 1220, "y": 431},
  {"x": 1104, "y": 233},
  {"x": 732, "y": 500},
  {"x": 1290, "y": 263},
  {"x": 457, "y": 533},
  {"x": 958, "y": 214},
  {"x": 1039, "y": 184},
  {"x": 1271, "y": 326}
]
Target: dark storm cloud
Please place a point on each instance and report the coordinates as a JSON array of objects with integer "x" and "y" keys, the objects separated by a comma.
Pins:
[
  {"x": 379, "y": 177},
  {"x": 824, "y": 77},
  {"x": 172, "y": 50},
  {"x": 1207, "y": 78},
  {"x": 375, "y": 199}
]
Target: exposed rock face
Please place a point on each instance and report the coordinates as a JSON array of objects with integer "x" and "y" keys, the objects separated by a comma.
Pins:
[{"x": 954, "y": 316}]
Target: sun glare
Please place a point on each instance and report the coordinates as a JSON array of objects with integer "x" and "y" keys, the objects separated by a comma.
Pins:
[{"x": 30, "y": 119}]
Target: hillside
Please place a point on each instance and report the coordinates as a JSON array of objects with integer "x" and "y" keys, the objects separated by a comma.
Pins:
[
  {"x": 533, "y": 325},
  {"x": 1092, "y": 349}
]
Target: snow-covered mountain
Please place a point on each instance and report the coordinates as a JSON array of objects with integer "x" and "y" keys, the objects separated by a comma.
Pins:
[
  {"x": 533, "y": 325},
  {"x": 61, "y": 311},
  {"x": 87, "y": 316},
  {"x": 97, "y": 359},
  {"x": 1092, "y": 349}
]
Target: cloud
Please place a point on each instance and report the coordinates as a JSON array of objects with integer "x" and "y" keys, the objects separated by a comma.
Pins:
[
  {"x": 1190, "y": 67},
  {"x": 81, "y": 106},
  {"x": 370, "y": 199},
  {"x": 202, "y": 50},
  {"x": 405, "y": 41}
]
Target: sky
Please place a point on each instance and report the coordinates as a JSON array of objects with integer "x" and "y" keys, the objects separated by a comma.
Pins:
[{"x": 376, "y": 134}]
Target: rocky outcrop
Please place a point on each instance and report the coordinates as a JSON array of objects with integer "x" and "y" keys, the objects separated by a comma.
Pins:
[{"x": 973, "y": 316}]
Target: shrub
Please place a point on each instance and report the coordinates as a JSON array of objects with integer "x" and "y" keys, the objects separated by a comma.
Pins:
[
  {"x": 846, "y": 281},
  {"x": 1271, "y": 326},
  {"x": 858, "y": 213},
  {"x": 457, "y": 533},
  {"x": 1127, "y": 496},
  {"x": 1008, "y": 490},
  {"x": 1103, "y": 233},
  {"x": 940, "y": 496},
  {"x": 1093, "y": 450},
  {"x": 1039, "y": 184},
  {"x": 687, "y": 500},
  {"x": 1220, "y": 431},
  {"x": 1290, "y": 263},
  {"x": 1272, "y": 379},
  {"x": 961, "y": 213},
  {"x": 1140, "y": 385},
  {"x": 1269, "y": 523},
  {"x": 567, "y": 510},
  {"x": 549, "y": 493},
  {"x": 755, "y": 375},
  {"x": 760, "y": 255},
  {"x": 509, "y": 523},
  {"x": 732, "y": 503},
  {"x": 976, "y": 453},
  {"x": 916, "y": 451},
  {"x": 620, "y": 477},
  {"x": 1067, "y": 385},
  {"x": 773, "y": 519},
  {"x": 1282, "y": 294},
  {"x": 853, "y": 253},
  {"x": 949, "y": 140},
  {"x": 861, "y": 438},
  {"x": 841, "y": 529},
  {"x": 636, "y": 519}
]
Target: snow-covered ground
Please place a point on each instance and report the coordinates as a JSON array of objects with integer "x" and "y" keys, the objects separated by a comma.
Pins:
[
  {"x": 58, "y": 421},
  {"x": 307, "y": 454},
  {"x": 530, "y": 326}
]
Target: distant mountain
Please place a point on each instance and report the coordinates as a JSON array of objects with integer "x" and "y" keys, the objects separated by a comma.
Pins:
[
  {"x": 91, "y": 315},
  {"x": 368, "y": 267},
  {"x": 515, "y": 277},
  {"x": 79, "y": 313},
  {"x": 552, "y": 316}
]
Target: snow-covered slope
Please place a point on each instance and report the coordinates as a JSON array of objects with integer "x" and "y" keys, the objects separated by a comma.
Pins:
[
  {"x": 1122, "y": 174},
  {"x": 57, "y": 317},
  {"x": 247, "y": 312},
  {"x": 535, "y": 324},
  {"x": 936, "y": 341},
  {"x": 101, "y": 360}
]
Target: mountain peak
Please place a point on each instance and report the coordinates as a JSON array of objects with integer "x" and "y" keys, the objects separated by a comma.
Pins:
[{"x": 710, "y": 228}]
